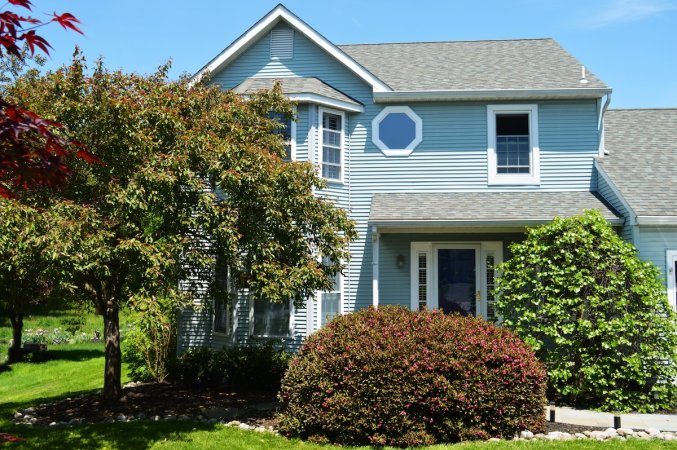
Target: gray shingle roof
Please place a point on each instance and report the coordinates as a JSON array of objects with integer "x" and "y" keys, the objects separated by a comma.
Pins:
[
  {"x": 642, "y": 159},
  {"x": 477, "y": 207},
  {"x": 477, "y": 65},
  {"x": 295, "y": 85}
]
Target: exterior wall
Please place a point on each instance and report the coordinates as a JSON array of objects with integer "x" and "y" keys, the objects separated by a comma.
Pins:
[
  {"x": 451, "y": 157},
  {"x": 395, "y": 282},
  {"x": 653, "y": 244}
]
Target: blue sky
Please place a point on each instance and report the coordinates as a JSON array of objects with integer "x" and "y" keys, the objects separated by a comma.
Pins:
[{"x": 629, "y": 44}]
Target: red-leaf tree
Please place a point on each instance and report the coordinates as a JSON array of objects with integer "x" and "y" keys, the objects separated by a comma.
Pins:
[{"x": 32, "y": 149}]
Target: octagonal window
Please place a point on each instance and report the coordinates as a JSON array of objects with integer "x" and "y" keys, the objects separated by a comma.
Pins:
[{"x": 397, "y": 130}]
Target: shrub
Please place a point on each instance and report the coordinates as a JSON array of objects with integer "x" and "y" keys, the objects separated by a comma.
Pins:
[
  {"x": 149, "y": 347},
  {"x": 255, "y": 366},
  {"x": 594, "y": 313},
  {"x": 396, "y": 377}
]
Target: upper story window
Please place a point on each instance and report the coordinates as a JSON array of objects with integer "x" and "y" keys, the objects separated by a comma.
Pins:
[
  {"x": 397, "y": 130},
  {"x": 332, "y": 144},
  {"x": 288, "y": 133},
  {"x": 513, "y": 152}
]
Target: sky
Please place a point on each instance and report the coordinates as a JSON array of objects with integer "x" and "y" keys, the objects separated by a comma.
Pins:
[{"x": 630, "y": 44}]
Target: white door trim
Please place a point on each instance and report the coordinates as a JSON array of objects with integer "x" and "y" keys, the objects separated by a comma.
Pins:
[{"x": 429, "y": 249}]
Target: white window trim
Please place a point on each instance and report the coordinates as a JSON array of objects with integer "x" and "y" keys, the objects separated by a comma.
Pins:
[
  {"x": 341, "y": 300},
  {"x": 534, "y": 177},
  {"x": 292, "y": 137},
  {"x": 670, "y": 258},
  {"x": 376, "y": 139},
  {"x": 320, "y": 140},
  {"x": 290, "y": 333}
]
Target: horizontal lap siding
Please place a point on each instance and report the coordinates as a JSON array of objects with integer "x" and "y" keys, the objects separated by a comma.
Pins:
[
  {"x": 654, "y": 242},
  {"x": 394, "y": 283},
  {"x": 451, "y": 157}
]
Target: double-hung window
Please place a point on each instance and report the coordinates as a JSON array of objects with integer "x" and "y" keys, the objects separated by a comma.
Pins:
[
  {"x": 223, "y": 308},
  {"x": 330, "y": 301},
  {"x": 288, "y": 133},
  {"x": 270, "y": 319},
  {"x": 332, "y": 144},
  {"x": 513, "y": 150}
]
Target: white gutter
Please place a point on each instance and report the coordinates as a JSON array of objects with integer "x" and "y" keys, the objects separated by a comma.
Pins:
[
  {"x": 656, "y": 220},
  {"x": 489, "y": 94}
]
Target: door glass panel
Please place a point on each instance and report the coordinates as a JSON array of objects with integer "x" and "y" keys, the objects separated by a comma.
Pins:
[{"x": 456, "y": 281}]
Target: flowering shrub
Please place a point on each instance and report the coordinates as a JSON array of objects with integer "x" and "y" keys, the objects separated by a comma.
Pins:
[
  {"x": 41, "y": 336},
  {"x": 395, "y": 377}
]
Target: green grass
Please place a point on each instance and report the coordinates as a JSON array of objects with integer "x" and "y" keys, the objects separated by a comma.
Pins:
[
  {"x": 74, "y": 369},
  {"x": 51, "y": 319}
]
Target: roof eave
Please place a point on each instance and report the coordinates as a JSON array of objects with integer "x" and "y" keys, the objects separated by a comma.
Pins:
[
  {"x": 490, "y": 94},
  {"x": 267, "y": 23},
  {"x": 423, "y": 223}
]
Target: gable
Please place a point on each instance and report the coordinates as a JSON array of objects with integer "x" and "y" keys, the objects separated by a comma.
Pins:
[
  {"x": 307, "y": 61},
  {"x": 282, "y": 16}
]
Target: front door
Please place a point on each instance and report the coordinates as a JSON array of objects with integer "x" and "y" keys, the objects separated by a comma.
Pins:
[
  {"x": 457, "y": 277},
  {"x": 456, "y": 281}
]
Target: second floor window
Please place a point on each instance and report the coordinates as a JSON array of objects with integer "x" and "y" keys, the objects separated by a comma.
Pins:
[
  {"x": 332, "y": 145},
  {"x": 513, "y": 150}
]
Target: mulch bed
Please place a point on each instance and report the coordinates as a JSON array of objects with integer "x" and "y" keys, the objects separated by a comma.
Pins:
[
  {"x": 162, "y": 400},
  {"x": 166, "y": 399}
]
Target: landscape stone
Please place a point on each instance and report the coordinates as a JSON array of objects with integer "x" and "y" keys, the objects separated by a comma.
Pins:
[
  {"x": 625, "y": 431},
  {"x": 526, "y": 434},
  {"x": 652, "y": 431},
  {"x": 642, "y": 435},
  {"x": 580, "y": 436}
]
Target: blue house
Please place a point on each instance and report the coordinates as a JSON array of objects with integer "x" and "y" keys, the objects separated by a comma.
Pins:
[{"x": 444, "y": 153}]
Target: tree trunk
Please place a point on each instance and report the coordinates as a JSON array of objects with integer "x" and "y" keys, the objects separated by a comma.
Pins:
[
  {"x": 112, "y": 389},
  {"x": 15, "y": 351}
]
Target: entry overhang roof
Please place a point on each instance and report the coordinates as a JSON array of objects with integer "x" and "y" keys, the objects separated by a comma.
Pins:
[{"x": 483, "y": 208}]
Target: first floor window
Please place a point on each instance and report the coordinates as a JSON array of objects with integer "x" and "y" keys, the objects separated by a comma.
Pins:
[
  {"x": 330, "y": 306},
  {"x": 222, "y": 316},
  {"x": 287, "y": 132},
  {"x": 270, "y": 319},
  {"x": 513, "y": 154},
  {"x": 332, "y": 145}
]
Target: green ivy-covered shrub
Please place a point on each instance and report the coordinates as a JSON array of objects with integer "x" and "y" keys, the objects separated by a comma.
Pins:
[
  {"x": 594, "y": 313},
  {"x": 396, "y": 377},
  {"x": 255, "y": 366}
]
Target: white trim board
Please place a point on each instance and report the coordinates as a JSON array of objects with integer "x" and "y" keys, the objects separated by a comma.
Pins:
[
  {"x": 670, "y": 259},
  {"x": 632, "y": 217},
  {"x": 266, "y": 24}
]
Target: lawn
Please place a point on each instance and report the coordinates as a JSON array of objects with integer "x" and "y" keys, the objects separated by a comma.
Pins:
[{"x": 78, "y": 368}]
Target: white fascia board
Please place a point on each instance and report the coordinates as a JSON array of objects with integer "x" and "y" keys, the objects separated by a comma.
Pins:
[
  {"x": 383, "y": 224},
  {"x": 657, "y": 220},
  {"x": 266, "y": 24},
  {"x": 632, "y": 217},
  {"x": 325, "y": 101},
  {"x": 490, "y": 94}
]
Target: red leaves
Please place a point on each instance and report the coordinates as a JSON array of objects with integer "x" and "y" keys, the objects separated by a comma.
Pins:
[
  {"x": 31, "y": 155},
  {"x": 67, "y": 21},
  {"x": 6, "y": 437}
]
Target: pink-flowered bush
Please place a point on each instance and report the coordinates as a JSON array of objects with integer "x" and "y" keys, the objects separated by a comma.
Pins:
[{"x": 395, "y": 377}]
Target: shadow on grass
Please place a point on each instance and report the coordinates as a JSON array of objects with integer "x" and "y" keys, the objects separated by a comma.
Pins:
[
  {"x": 135, "y": 435},
  {"x": 73, "y": 354}
]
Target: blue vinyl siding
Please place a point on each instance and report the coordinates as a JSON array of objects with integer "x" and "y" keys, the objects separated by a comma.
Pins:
[
  {"x": 451, "y": 157},
  {"x": 653, "y": 244},
  {"x": 394, "y": 283}
]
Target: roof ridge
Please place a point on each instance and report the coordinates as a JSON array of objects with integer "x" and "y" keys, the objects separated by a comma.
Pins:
[{"x": 449, "y": 41}]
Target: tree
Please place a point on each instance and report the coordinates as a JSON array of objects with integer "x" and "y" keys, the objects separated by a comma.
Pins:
[
  {"x": 155, "y": 219},
  {"x": 31, "y": 242},
  {"x": 594, "y": 313},
  {"x": 31, "y": 149}
]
